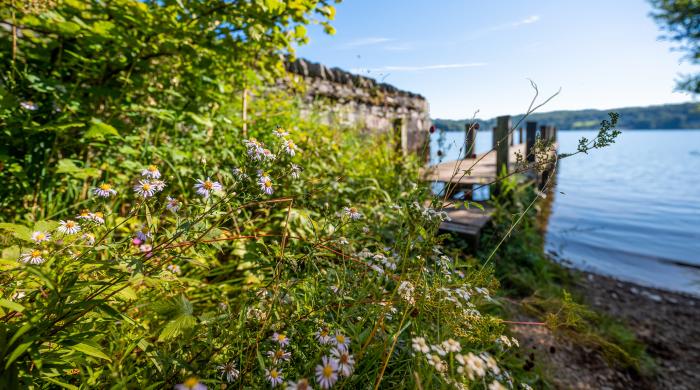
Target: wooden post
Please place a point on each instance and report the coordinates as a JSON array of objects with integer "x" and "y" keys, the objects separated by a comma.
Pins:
[
  {"x": 554, "y": 134},
  {"x": 398, "y": 135},
  {"x": 501, "y": 142},
  {"x": 520, "y": 135},
  {"x": 531, "y": 133},
  {"x": 470, "y": 141},
  {"x": 543, "y": 132}
]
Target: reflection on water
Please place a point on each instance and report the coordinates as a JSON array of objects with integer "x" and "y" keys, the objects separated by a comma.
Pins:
[{"x": 631, "y": 210}]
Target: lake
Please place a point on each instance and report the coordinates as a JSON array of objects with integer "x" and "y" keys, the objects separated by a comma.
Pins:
[{"x": 631, "y": 210}]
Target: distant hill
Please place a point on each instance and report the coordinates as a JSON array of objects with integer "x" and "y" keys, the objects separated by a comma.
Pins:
[{"x": 668, "y": 116}]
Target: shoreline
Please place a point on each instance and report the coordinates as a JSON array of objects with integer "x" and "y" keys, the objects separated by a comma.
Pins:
[{"x": 665, "y": 322}]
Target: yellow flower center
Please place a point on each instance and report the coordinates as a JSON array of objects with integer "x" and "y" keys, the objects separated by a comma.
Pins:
[
  {"x": 208, "y": 185},
  {"x": 353, "y": 210},
  {"x": 146, "y": 187},
  {"x": 291, "y": 145},
  {"x": 281, "y": 337},
  {"x": 191, "y": 382},
  {"x": 268, "y": 183},
  {"x": 344, "y": 358},
  {"x": 36, "y": 253},
  {"x": 274, "y": 373},
  {"x": 327, "y": 371},
  {"x": 70, "y": 224},
  {"x": 84, "y": 213},
  {"x": 340, "y": 338},
  {"x": 99, "y": 214},
  {"x": 152, "y": 168},
  {"x": 279, "y": 354},
  {"x": 324, "y": 333},
  {"x": 105, "y": 187},
  {"x": 40, "y": 236}
]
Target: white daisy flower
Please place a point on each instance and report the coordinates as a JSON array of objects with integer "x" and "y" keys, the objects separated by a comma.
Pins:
[
  {"x": 279, "y": 355},
  {"x": 191, "y": 383},
  {"x": 39, "y": 236},
  {"x": 280, "y": 338},
  {"x": 230, "y": 371},
  {"x": 346, "y": 362},
  {"x": 322, "y": 336},
  {"x": 174, "y": 268},
  {"x": 173, "y": 205},
  {"x": 255, "y": 148},
  {"x": 206, "y": 187},
  {"x": 28, "y": 105},
  {"x": 32, "y": 257},
  {"x": 327, "y": 372},
  {"x": 151, "y": 171},
  {"x": 89, "y": 238},
  {"x": 266, "y": 187},
  {"x": 280, "y": 132},
  {"x": 439, "y": 350},
  {"x": 159, "y": 185},
  {"x": 145, "y": 189},
  {"x": 419, "y": 345},
  {"x": 290, "y": 147},
  {"x": 437, "y": 362},
  {"x": 295, "y": 171},
  {"x": 274, "y": 376},
  {"x": 352, "y": 213},
  {"x": 302, "y": 384},
  {"x": 341, "y": 341},
  {"x": 267, "y": 154},
  {"x": 84, "y": 214},
  {"x": 104, "y": 190},
  {"x": 68, "y": 227},
  {"x": 144, "y": 234},
  {"x": 97, "y": 217}
]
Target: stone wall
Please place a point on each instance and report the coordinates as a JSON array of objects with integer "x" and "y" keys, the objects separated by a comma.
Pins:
[{"x": 362, "y": 101}]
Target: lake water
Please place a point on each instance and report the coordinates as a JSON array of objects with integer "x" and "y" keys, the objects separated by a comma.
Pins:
[{"x": 631, "y": 210}]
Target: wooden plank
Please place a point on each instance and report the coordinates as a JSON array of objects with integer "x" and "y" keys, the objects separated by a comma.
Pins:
[{"x": 481, "y": 173}]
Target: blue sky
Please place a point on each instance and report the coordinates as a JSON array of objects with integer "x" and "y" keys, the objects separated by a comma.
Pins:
[{"x": 478, "y": 55}]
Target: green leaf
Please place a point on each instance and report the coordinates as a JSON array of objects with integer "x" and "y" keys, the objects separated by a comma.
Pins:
[
  {"x": 99, "y": 131},
  {"x": 19, "y": 231},
  {"x": 90, "y": 350},
  {"x": 11, "y": 305},
  {"x": 57, "y": 382},
  {"x": 177, "y": 326},
  {"x": 17, "y": 353}
]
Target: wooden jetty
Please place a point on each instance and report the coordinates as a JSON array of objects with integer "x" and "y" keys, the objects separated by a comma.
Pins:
[{"x": 474, "y": 171}]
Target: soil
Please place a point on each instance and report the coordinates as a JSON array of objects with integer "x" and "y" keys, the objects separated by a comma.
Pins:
[{"x": 667, "y": 322}]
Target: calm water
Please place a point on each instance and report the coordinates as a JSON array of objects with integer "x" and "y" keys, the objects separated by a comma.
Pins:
[{"x": 631, "y": 210}]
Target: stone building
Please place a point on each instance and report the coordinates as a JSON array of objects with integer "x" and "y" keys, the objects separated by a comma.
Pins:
[{"x": 362, "y": 101}]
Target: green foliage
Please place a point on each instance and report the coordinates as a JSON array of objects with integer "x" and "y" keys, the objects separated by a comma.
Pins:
[
  {"x": 668, "y": 116},
  {"x": 679, "y": 20}
]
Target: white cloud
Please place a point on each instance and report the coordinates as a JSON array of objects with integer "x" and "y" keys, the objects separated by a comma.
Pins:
[
  {"x": 385, "y": 69},
  {"x": 367, "y": 42},
  {"x": 529, "y": 20}
]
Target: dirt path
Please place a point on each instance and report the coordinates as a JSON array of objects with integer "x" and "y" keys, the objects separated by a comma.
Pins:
[{"x": 668, "y": 323}]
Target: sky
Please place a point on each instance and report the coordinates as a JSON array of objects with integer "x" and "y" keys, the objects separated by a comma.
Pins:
[{"x": 468, "y": 56}]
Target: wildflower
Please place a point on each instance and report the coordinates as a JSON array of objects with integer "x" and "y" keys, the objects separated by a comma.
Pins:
[
  {"x": 437, "y": 362},
  {"x": 352, "y": 213},
  {"x": 274, "y": 376},
  {"x": 89, "y": 238},
  {"x": 98, "y": 217},
  {"x": 68, "y": 227},
  {"x": 40, "y": 236},
  {"x": 238, "y": 173},
  {"x": 341, "y": 341},
  {"x": 32, "y": 257},
  {"x": 295, "y": 171},
  {"x": 84, "y": 214},
  {"x": 136, "y": 241},
  {"x": 145, "y": 189},
  {"x": 29, "y": 105},
  {"x": 343, "y": 241},
  {"x": 490, "y": 362},
  {"x": 327, "y": 372},
  {"x": 142, "y": 234},
  {"x": 419, "y": 345},
  {"x": 365, "y": 229},
  {"x": 205, "y": 187},
  {"x": 496, "y": 385},
  {"x": 279, "y": 355},
  {"x": 406, "y": 291},
  {"x": 266, "y": 153},
  {"x": 190, "y": 383},
  {"x": 475, "y": 365},
  {"x": 290, "y": 147},
  {"x": 322, "y": 336},
  {"x": 280, "y": 132},
  {"x": 452, "y": 345},
  {"x": 255, "y": 148},
  {"x": 302, "y": 384},
  {"x": 159, "y": 185},
  {"x": 439, "y": 350},
  {"x": 266, "y": 186},
  {"x": 280, "y": 338},
  {"x": 346, "y": 362},
  {"x": 145, "y": 248},
  {"x": 174, "y": 268},
  {"x": 230, "y": 371},
  {"x": 152, "y": 172},
  {"x": 104, "y": 190},
  {"x": 173, "y": 205}
]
